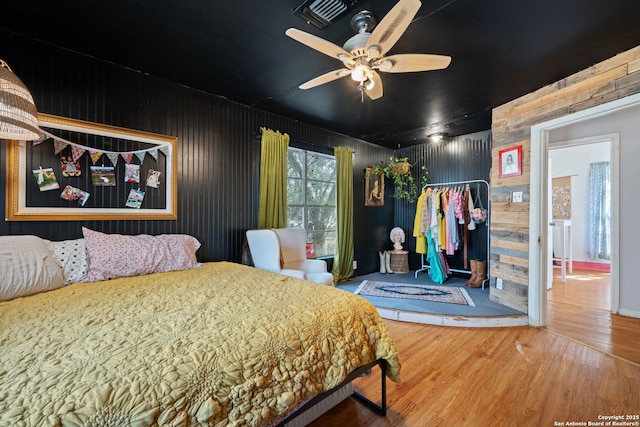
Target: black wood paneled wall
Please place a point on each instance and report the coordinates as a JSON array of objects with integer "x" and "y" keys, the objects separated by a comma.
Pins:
[
  {"x": 218, "y": 148},
  {"x": 218, "y": 152},
  {"x": 455, "y": 159}
]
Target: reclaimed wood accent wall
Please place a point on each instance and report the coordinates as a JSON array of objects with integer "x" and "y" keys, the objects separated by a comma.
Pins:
[{"x": 604, "y": 82}]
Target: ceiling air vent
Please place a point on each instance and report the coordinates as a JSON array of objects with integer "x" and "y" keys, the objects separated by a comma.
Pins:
[{"x": 321, "y": 13}]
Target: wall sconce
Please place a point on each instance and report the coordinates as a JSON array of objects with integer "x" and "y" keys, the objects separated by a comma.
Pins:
[{"x": 18, "y": 114}]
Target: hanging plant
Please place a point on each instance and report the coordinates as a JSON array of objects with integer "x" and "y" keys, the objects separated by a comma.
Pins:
[{"x": 399, "y": 170}]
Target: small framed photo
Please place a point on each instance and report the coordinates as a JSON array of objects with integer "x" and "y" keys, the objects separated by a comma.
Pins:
[
  {"x": 374, "y": 188},
  {"x": 510, "y": 161}
]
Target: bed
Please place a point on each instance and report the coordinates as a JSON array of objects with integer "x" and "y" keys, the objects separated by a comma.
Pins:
[{"x": 217, "y": 343}]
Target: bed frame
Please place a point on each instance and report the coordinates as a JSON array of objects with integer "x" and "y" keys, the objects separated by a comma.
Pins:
[{"x": 381, "y": 408}]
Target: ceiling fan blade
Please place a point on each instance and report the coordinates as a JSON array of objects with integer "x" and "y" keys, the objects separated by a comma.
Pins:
[
  {"x": 376, "y": 91},
  {"x": 326, "y": 78},
  {"x": 393, "y": 25},
  {"x": 321, "y": 45},
  {"x": 406, "y": 63}
]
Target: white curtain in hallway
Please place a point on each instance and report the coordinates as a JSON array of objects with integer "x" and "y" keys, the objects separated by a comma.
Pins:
[{"x": 599, "y": 210}]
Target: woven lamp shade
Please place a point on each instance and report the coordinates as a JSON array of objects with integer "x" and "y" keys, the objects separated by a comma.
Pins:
[{"x": 18, "y": 114}]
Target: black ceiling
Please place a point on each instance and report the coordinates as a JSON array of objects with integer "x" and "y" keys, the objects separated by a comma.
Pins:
[{"x": 500, "y": 49}]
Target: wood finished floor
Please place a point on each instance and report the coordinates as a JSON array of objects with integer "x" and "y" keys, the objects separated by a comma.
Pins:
[
  {"x": 580, "y": 309},
  {"x": 516, "y": 376}
]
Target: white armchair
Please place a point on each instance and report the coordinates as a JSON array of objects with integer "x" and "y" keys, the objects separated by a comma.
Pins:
[{"x": 283, "y": 250}]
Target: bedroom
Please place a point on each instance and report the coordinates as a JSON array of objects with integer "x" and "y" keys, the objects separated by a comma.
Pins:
[{"x": 219, "y": 152}]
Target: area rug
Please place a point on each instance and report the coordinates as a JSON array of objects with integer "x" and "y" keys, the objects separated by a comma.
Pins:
[{"x": 447, "y": 294}]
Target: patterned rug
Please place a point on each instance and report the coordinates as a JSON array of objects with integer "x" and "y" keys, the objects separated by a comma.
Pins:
[{"x": 448, "y": 294}]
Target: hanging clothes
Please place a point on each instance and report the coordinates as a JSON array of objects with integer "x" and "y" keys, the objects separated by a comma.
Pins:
[
  {"x": 419, "y": 220},
  {"x": 436, "y": 268}
]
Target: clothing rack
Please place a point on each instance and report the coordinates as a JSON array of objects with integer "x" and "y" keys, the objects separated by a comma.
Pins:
[{"x": 478, "y": 182}]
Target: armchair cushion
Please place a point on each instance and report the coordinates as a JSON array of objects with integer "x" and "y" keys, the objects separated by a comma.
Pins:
[
  {"x": 293, "y": 243},
  {"x": 282, "y": 250}
]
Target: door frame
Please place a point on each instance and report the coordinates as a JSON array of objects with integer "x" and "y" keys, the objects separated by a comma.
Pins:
[
  {"x": 538, "y": 216},
  {"x": 613, "y": 139}
]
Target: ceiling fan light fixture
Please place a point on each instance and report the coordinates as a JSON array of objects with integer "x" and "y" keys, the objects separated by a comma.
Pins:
[
  {"x": 361, "y": 72},
  {"x": 370, "y": 85},
  {"x": 385, "y": 65}
]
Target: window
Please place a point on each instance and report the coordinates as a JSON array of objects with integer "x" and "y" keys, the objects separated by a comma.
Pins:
[{"x": 311, "y": 197}]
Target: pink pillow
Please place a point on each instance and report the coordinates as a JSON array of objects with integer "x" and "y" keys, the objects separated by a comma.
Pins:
[{"x": 116, "y": 255}]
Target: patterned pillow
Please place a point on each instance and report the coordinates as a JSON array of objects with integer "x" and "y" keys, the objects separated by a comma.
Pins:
[
  {"x": 72, "y": 258},
  {"x": 116, "y": 255}
]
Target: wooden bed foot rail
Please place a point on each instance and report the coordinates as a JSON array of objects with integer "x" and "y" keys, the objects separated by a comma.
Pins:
[{"x": 358, "y": 372}]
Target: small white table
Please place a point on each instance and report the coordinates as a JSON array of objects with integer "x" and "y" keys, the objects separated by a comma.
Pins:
[{"x": 566, "y": 248}]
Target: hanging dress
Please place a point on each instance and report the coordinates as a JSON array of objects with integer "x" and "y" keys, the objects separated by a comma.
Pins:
[
  {"x": 420, "y": 218},
  {"x": 436, "y": 268}
]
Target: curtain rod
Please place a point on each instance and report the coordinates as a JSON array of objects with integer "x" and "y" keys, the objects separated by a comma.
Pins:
[{"x": 306, "y": 144}]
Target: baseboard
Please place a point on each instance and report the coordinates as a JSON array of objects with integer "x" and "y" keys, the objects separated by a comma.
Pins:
[
  {"x": 460, "y": 321},
  {"x": 596, "y": 266},
  {"x": 629, "y": 313},
  {"x": 586, "y": 265}
]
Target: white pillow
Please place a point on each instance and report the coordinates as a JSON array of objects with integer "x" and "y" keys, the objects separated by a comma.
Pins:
[
  {"x": 27, "y": 267},
  {"x": 72, "y": 258}
]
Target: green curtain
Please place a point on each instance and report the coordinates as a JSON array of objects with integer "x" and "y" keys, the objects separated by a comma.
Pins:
[
  {"x": 272, "y": 210},
  {"x": 343, "y": 260}
]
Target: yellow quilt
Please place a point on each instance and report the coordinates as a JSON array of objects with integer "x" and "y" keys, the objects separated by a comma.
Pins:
[{"x": 223, "y": 345}]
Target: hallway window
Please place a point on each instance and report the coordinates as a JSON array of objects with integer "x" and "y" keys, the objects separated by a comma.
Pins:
[
  {"x": 311, "y": 197},
  {"x": 600, "y": 210}
]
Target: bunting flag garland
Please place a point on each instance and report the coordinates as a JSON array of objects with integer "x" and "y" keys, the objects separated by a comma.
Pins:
[
  {"x": 95, "y": 155},
  {"x": 113, "y": 157},
  {"x": 59, "y": 146},
  {"x": 77, "y": 152},
  {"x": 42, "y": 138},
  {"x": 164, "y": 150},
  {"x": 127, "y": 157},
  {"x": 154, "y": 154}
]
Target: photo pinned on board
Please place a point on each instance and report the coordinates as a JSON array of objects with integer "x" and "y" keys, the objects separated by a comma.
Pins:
[
  {"x": 153, "y": 178},
  {"x": 132, "y": 173},
  {"x": 69, "y": 166},
  {"x": 103, "y": 176},
  {"x": 135, "y": 199},
  {"x": 75, "y": 194},
  {"x": 46, "y": 179}
]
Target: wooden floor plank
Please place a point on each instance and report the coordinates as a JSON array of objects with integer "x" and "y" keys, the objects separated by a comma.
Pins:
[
  {"x": 580, "y": 309},
  {"x": 520, "y": 376}
]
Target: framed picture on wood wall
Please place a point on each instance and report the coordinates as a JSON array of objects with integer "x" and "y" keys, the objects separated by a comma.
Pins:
[
  {"x": 510, "y": 160},
  {"x": 374, "y": 188}
]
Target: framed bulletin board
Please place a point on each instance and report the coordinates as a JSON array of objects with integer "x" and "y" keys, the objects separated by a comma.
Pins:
[{"x": 87, "y": 171}]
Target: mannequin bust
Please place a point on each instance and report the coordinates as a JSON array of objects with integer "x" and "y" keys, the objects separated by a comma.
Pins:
[{"x": 397, "y": 237}]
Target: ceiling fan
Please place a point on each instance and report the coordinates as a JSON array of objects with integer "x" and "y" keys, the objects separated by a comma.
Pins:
[{"x": 363, "y": 55}]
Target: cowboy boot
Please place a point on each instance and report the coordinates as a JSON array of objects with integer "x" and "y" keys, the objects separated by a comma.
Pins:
[
  {"x": 481, "y": 274},
  {"x": 473, "y": 273},
  {"x": 387, "y": 258},
  {"x": 382, "y": 261}
]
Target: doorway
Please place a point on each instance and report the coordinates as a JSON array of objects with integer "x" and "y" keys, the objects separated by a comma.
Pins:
[
  {"x": 539, "y": 217},
  {"x": 583, "y": 288}
]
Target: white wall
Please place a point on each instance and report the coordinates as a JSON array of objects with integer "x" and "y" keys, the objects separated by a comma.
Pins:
[
  {"x": 574, "y": 162},
  {"x": 627, "y": 124}
]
